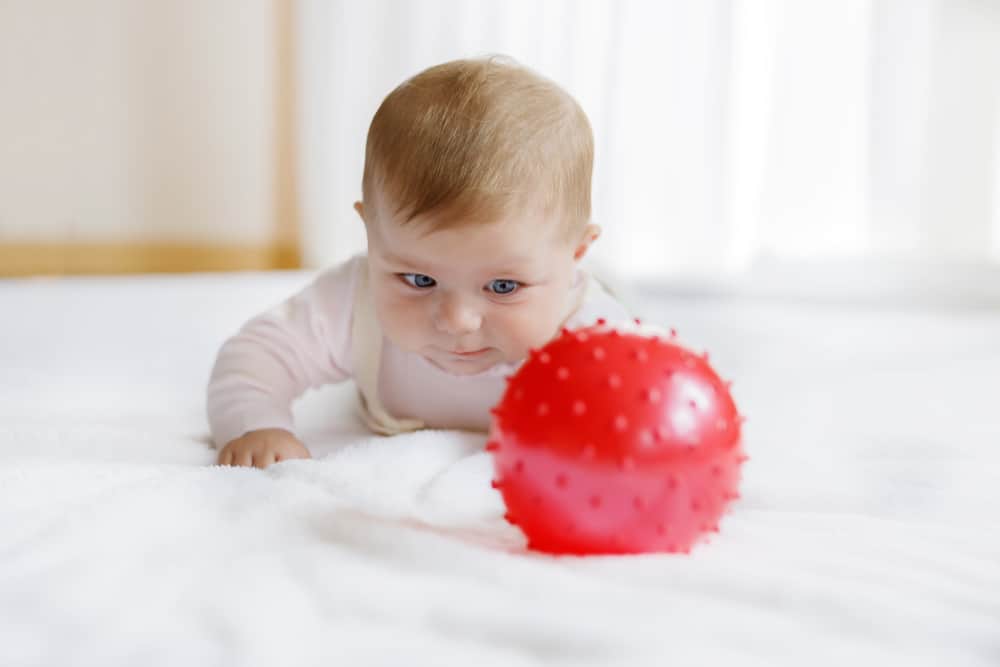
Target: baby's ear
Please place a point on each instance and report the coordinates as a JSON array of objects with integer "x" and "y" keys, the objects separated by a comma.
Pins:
[
  {"x": 360, "y": 208},
  {"x": 590, "y": 234}
]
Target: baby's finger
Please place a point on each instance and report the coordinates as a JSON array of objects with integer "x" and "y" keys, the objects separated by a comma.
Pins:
[
  {"x": 290, "y": 453},
  {"x": 243, "y": 458},
  {"x": 263, "y": 459},
  {"x": 225, "y": 457}
]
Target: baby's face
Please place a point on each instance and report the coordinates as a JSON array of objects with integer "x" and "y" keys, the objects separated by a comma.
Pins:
[{"x": 470, "y": 297}]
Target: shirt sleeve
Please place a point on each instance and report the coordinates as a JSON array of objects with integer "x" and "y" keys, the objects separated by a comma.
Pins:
[{"x": 302, "y": 343}]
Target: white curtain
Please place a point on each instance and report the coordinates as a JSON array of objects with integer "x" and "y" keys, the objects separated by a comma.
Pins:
[{"x": 731, "y": 134}]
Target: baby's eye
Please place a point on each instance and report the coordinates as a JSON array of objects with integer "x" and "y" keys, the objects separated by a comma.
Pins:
[
  {"x": 503, "y": 286},
  {"x": 418, "y": 280}
]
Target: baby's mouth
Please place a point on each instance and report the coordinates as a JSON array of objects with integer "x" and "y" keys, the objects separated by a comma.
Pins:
[{"x": 469, "y": 353}]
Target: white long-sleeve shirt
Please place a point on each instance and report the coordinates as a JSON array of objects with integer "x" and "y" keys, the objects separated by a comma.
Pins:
[{"x": 328, "y": 333}]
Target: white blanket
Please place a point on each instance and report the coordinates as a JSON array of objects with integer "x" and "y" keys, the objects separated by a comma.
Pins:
[{"x": 868, "y": 532}]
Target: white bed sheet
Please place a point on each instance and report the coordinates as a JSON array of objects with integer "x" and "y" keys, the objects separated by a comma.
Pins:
[{"x": 868, "y": 531}]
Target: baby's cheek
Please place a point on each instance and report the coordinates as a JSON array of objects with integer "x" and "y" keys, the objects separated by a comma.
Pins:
[
  {"x": 402, "y": 321},
  {"x": 526, "y": 329}
]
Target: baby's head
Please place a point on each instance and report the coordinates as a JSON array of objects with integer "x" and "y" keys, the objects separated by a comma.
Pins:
[{"x": 477, "y": 207}]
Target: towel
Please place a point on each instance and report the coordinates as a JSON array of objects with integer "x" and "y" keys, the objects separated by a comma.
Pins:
[{"x": 868, "y": 530}]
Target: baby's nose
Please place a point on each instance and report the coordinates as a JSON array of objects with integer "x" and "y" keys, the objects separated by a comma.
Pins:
[{"x": 455, "y": 316}]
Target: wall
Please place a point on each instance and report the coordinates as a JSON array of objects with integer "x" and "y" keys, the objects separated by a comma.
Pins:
[
  {"x": 732, "y": 136},
  {"x": 145, "y": 135}
]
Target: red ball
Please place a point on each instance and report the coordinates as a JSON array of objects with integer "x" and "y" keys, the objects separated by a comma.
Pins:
[{"x": 609, "y": 441}]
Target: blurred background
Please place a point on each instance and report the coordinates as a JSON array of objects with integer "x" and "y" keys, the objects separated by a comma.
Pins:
[{"x": 832, "y": 148}]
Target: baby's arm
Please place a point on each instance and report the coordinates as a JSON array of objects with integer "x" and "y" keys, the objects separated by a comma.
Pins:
[{"x": 273, "y": 359}]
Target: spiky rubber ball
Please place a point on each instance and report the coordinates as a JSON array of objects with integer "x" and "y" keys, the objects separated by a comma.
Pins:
[{"x": 610, "y": 440}]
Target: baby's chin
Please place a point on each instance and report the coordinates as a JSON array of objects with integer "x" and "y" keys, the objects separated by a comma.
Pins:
[
  {"x": 465, "y": 366},
  {"x": 492, "y": 360}
]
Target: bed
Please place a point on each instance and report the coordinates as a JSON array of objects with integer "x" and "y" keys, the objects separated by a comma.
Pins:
[{"x": 868, "y": 531}]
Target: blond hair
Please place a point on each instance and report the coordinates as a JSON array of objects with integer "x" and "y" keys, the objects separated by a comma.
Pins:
[{"x": 473, "y": 140}]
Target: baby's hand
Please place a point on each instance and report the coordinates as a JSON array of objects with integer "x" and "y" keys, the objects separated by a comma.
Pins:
[{"x": 262, "y": 448}]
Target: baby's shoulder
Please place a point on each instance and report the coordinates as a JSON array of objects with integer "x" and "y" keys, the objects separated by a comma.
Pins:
[
  {"x": 340, "y": 281},
  {"x": 599, "y": 302},
  {"x": 346, "y": 271},
  {"x": 333, "y": 291}
]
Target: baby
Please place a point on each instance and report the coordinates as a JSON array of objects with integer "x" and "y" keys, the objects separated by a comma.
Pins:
[{"x": 476, "y": 204}]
